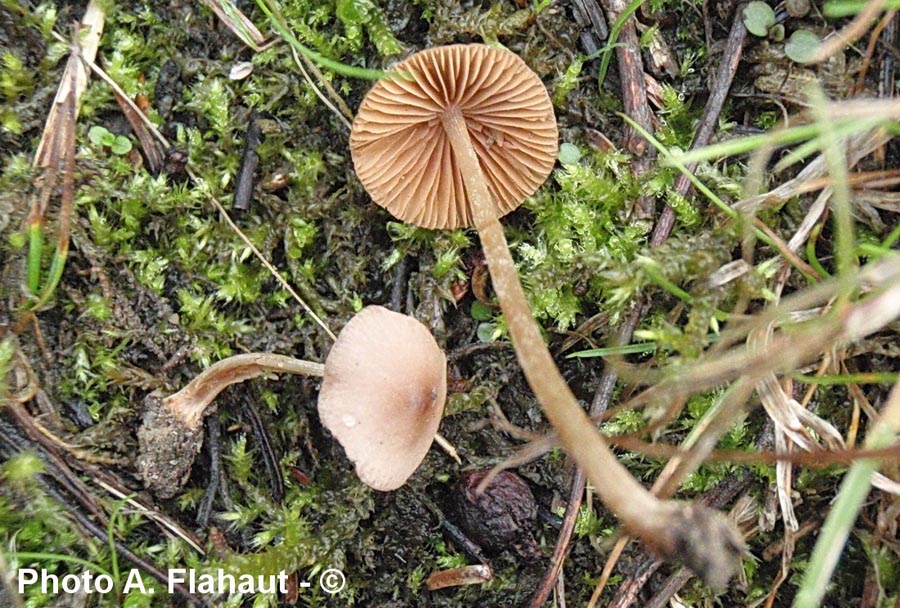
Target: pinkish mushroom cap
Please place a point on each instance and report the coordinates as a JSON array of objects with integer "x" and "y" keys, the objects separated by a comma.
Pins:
[
  {"x": 404, "y": 158},
  {"x": 383, "y": 394}
]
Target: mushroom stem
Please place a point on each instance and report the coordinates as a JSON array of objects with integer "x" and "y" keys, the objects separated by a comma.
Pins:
[
  {"x": 189, "y": 404},
  {"x": 171, "y": 432},
  {"x": 640, "y": 511}
]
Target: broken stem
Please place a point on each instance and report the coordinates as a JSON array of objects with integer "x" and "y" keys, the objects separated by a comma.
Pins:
[{"x": 189, "y": 404}]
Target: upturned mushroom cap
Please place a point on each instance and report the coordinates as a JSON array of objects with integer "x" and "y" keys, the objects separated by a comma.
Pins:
[
  {"x": 404, "y": 159},
  {"x": 383, "y": 394}
]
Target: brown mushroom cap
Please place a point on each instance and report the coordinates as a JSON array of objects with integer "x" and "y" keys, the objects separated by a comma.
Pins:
[
  {"x": 403, "y": 157},
  {"x": 383, "y": 394}
]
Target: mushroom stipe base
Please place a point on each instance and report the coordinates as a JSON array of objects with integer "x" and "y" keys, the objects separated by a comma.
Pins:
[{"x": 167, "y": 448}]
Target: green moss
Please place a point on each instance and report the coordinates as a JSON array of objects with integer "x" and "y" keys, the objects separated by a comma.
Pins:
[
  {"x": 359, "y": 14},
  {"x": 576, "y": 227},
  {"x": 497, "y": 20},
  {"x": 15, "y": 80},
  {"x": 588, "y": 523}
]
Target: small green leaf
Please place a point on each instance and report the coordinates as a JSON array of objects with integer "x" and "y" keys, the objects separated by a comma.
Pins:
[
  {"x": 98, "y": 135},
  {"x": 120, "y": 145},
  {"x": 481, "y": 311},
  {"x": 569, "y": 154},
  {"x": 802, "y": 46},
  {"x": 758, "y": 18}
]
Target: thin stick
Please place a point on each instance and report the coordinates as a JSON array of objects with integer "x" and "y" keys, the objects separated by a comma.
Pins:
[
  {"x": 634, "y": 97},
  {"x": 344, "y": 114},
  {"x": 448, "y": 447},
  {"x": 265, "y": 262}
]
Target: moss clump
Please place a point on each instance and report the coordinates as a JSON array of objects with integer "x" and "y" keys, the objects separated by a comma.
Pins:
[{"x": 577, "y": 226}]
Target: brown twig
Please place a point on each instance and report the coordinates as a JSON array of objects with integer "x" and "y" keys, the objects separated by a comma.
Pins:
[
  {"x": 214, "y": 447},
  {"x": 152, "y": 151},
  {"x": 719, "y": 88},
  {"x": 874, "y": 37},
  {"x": 634, "y": 99},
  {"x": 589, "y": 16},
  {"x": 270, "y": 459},
  {"x": 243, "y": 188}
]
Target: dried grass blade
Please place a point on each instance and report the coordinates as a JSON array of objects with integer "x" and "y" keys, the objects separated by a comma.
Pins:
[
  {"x": 237, "y": 22},
  {"x": 148, "y": 144},
  {"x": 74, "y": 80}
]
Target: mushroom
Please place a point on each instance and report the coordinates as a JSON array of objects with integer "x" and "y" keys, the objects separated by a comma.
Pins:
[
  {"x": 383, "y": 394},
  {"x": 459, "y": 135},
  {"x": 381, "y": 358}
]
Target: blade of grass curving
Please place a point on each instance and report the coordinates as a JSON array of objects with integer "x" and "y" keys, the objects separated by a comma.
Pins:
[
  {"x": 638, "y": 348},
  {"x": 805, "y": 150},
  {"x": 811, "y": 256},
  {"x": 857, "y": 378},
  {"x": 613, "y": 37},
  {"x": 271, "y": 11},
  {"x": 676, "y": 162},
  {"x": 844, "y": 117},
  {"x": 745, "y": 145},
  {"x": 854, "y": 489},
  {"x": 892, "y": 238},
  {"x": 836, "y": 159},
  {"x": 65, "y": 139},
  {"x": 835, "y": 9},
  {"x": 652, "y": 270},
  {"x": 778, "y": 137},
  {"x": 35, "y": 248},
  {"x": 679, "y": 164}
]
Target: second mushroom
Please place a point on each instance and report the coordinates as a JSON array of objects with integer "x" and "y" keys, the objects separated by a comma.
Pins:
[{"x": 382, "y": 397}]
